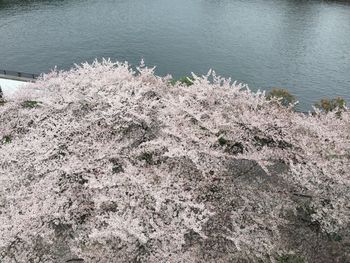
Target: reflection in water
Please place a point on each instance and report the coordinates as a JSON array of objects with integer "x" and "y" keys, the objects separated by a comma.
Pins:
[
  {"x": 299, "y": 45},
  {"x": 15, "y": 6}
]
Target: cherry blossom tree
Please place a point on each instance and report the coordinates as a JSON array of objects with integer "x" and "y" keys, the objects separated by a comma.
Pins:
[{"x": 103, "y": 163}]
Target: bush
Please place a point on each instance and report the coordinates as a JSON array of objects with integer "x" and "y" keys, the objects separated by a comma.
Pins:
[
  {"x": 290, "y": 258},
  {"x": 188, "y": 81},
  {"x": 282, "y": 94},
  {"x": 328, "y": 105},
  {"x": 6, "y": 139},
  {"x": 30, "y": 104}
]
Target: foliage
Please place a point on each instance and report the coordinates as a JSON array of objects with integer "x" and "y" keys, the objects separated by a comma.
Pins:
[
  {"x": 283, "y": 95},
  {"x": 117, "y": 164},
  {"x": 328, "y": 105},
  {"x": 30, "y": 104},
  {"x": 6, "y": 139},
  {"x": 187, "y": 81},
  {"x": 290, "y": 258}
]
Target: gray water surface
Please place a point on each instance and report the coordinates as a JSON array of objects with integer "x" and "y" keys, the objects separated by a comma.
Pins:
[{"x": 303, "y": 46}]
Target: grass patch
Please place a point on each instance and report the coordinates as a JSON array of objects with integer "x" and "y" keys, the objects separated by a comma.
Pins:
[
  {"x": 30, "y": 104},
  {"x": 290, "y": 258}
]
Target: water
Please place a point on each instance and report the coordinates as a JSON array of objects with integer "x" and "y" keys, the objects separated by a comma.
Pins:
[{"x": 303, "y": 46}]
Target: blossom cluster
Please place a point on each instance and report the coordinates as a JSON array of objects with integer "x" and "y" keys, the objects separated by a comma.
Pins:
[{"x": 110, "y": 164}]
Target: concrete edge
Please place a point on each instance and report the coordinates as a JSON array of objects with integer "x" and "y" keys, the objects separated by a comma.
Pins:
[{"x": 2, "y": 76}]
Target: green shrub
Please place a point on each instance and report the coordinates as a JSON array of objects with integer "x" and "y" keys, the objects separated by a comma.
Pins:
[
  {"x": 30, "y": 104},
  {"x": 283, "y": 94},
  {"x": 328, "y": 105},
  {"x": 290, "y": 258},
  {"x": 6, "y": 139},
  {"x": 188, "y": 81}
]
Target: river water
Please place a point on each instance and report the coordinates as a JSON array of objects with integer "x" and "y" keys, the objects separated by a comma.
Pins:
[{"x": 303, "y": 46}]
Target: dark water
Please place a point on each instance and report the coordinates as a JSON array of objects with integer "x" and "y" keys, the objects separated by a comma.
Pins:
[{"x": 303, "y": 46}]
